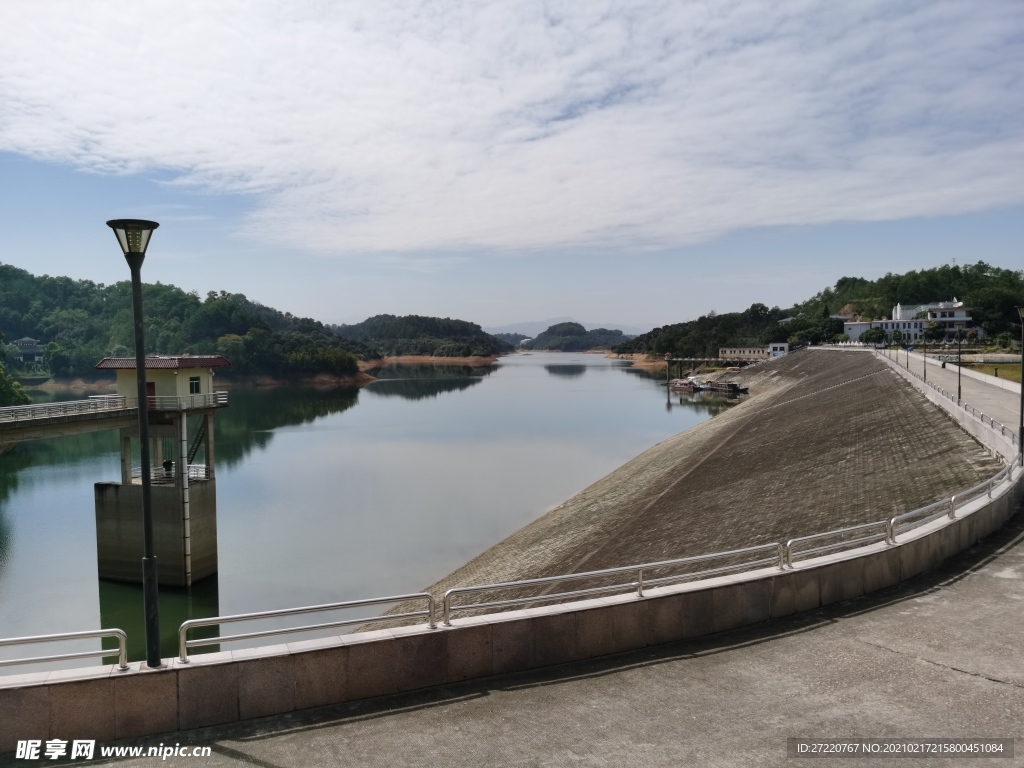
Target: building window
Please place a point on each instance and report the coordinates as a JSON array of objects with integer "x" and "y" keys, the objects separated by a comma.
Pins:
[{"x": 193, "y": 385}]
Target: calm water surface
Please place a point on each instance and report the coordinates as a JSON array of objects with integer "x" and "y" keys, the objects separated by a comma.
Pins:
[{"x": 331, "y": 495}]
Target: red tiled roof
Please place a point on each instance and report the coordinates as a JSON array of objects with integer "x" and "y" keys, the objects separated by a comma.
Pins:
[{"x": 152, "y": 363}]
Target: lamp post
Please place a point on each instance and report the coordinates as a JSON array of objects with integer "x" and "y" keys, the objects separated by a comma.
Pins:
[
  {"x": 1020, "y": 426},
  {"x": 133, "y": 236},
  {"x": 958, "y": 366},
  {"x": 924, "y": 359}
]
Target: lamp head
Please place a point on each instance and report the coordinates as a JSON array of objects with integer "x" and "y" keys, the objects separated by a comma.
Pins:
[{"x": 133, "y": 234}]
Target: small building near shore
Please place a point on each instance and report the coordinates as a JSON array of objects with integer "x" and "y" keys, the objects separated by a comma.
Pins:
[
  {"x": 776, "y": 349},
  {"x": 178, "y": 376}
]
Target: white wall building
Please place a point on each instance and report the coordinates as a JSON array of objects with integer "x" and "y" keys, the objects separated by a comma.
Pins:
[
  {"x": 777, "y": 349},
  {"x": 912, "y": 320}
]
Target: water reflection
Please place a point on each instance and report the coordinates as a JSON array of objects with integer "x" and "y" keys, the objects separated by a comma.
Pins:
[
  {"x": 419, "y": 382},
  {"x": 60, "y": 452},
  {"x": 711, "y": 403},
  {"x": 121, "y": 607},
  {"x": 418, "y": 389},
  {"x": 254, "y": 414},
  {"x": 432, "y": 371},
  {"x": 569, "y": 371}
]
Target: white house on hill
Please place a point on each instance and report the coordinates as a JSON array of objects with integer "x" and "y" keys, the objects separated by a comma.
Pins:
[{"x": 912, "y": 320}]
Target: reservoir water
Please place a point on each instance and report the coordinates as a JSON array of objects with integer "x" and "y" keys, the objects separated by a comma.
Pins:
[{"x": 325, "y": 495}]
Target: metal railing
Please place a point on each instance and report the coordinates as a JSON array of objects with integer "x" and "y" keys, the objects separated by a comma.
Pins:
[
  {"x": 170, "y": 402},
  {"x": 184, "y": 644},
  {"x": 638, "y": 584},
  {"x": 159, "y": 474},
  {"x": 99, "y": 403},
  {"x": 882, "y": 534},
  {"x": 121, "y": 652},
  {"x": 66, "y": 408}
]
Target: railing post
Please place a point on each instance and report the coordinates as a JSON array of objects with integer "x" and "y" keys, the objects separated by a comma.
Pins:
[
  {"x": 431, "y": 608},
  {"x": 890, "y": 531},
  {"x": 182, "y": 643},
  {"x": 952, "y": 507},
  {"x": 789, "y": 553},
  {"x": 122, "y": 651},
  {"x": 446, "y": 608},
  {"x": 640, "y": 583}
]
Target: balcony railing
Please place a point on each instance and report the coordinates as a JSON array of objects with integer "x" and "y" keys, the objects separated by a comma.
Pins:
[{"x": 163, "y": 475}]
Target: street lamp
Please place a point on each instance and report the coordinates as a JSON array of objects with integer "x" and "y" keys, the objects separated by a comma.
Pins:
[
  {"x": 133, "y": 236},
  {"x": 958, "y": 366},
  {"x": 1020, "y": 427}
]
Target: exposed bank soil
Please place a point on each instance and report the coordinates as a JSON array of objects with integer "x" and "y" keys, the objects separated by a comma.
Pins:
[
  {"x": 369, "y": 365},
  {"x": 76, "y": 385},
  {"x": 640, "y": 360},
  {"x": 827, "y": 439}
]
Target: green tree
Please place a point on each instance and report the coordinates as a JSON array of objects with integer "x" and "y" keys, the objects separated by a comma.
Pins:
[
  {"x": 57, "y": 359},
  {"x": 873, "y": 336},
  {"x": 11, "y": 392}
]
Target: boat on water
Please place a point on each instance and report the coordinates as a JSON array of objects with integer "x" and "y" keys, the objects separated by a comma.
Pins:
[
  {"x": 685, "y": 385},
  {"x": 733, "y": 387}
]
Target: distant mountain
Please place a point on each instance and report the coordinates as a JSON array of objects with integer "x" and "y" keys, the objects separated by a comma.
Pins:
[
  {"x": 534, "y": 328},
  {"x": 573, "y": 337},
  {"x": 417, "y": 335}
]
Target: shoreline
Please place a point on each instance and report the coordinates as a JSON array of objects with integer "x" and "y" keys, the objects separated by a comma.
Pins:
[
  {"x": 640, "y": 360},
  {"x": 369, "y": 365},
  {"x": 359, "y": 379}
]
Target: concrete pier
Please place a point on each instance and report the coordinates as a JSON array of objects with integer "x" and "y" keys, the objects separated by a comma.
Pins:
[{"x": 184, "y": 507}]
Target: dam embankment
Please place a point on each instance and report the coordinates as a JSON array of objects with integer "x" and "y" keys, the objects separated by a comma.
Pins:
[
  {"x": 811, "y": 415},
  {"x": 825, "y": 440}
]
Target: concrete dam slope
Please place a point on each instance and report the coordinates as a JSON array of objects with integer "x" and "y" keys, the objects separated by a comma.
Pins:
[{"x": 826, "y": 439}]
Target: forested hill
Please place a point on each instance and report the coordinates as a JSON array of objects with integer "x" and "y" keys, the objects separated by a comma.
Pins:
[
  {"x": 573, "y": 337},
  {"x": 992, "y": 293},
  {"x": 417, "y": 335},
  {"x": 81, "y": 322}
]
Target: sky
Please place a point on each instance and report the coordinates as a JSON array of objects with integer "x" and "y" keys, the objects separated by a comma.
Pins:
[{"x": 636, "y": 162}]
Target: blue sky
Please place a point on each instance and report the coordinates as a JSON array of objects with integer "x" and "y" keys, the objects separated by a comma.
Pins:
[{"x": 639, "y": 162}]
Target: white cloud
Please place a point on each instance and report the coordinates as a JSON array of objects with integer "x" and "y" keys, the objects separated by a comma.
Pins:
[{"x": 412, "y": 129}]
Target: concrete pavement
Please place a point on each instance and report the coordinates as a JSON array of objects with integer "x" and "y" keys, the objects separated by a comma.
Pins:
[{"x": 1002, "y": 405}]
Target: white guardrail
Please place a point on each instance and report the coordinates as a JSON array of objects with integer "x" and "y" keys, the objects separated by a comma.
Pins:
[{"x": 100, "y": 403}]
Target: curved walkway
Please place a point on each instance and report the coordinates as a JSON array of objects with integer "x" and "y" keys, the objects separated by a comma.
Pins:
[
  {"x": 1001, "y": 404},
  {"x": 938, "y": 656}
]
